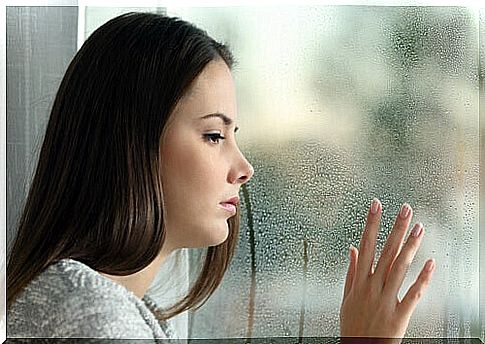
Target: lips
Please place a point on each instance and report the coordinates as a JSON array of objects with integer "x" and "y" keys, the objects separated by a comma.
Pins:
[
  {"x": 230, "y": 204},
  {"x": 229, "y": 207},
  {"x": 233, "y": 200}
]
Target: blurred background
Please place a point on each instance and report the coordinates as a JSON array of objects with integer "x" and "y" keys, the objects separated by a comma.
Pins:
[{"x": 336, "y": 105}]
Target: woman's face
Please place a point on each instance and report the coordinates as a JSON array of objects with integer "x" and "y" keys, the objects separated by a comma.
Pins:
[{"x": 200, "y": 170}]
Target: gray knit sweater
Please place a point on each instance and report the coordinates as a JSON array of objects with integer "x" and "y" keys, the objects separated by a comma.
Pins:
[{"x": 69, "y": 299}]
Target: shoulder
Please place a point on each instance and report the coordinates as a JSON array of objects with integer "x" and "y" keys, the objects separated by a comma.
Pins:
[
  {"x": 69, "y": 299},
  {"x": 100, "y": 317}
]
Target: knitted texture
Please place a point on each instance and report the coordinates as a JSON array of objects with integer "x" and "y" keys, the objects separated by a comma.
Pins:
[{"x": 71, "y": 300}]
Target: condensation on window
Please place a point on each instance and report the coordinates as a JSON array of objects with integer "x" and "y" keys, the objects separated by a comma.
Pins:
[{"x": 338, "y": 105}]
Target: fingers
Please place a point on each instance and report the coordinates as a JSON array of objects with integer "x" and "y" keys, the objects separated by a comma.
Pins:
[
  {"x": 417, "y": 290},
  {"x": 403, "y": 261},
  {"x": 351, "y": 271},
  {"x": 370, "y": 306},
  {"x": 368, "y": 242},
  {"x": 394, "y": 243}
]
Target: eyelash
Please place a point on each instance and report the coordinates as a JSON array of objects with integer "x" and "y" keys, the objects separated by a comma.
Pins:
[{"x": 210, "y": 137}]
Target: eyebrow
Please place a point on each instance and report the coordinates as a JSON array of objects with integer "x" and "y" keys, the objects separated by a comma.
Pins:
[{"x": 227, "y": 121}]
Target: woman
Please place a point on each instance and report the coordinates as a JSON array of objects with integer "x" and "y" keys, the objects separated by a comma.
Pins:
[{"x": 140, "y": 159}]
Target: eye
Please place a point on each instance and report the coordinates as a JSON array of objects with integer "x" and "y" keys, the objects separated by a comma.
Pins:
[{"x": 213, "y": 138}]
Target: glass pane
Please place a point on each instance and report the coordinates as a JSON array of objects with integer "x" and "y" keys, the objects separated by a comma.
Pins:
[
  {"x": 482, "y": 172},
  {"x": 338, "y": 105}
]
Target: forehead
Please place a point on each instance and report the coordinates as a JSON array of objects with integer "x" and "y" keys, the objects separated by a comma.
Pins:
[
  {"x": 212, "y": 91},
  {"x": 214, "y": 74}
]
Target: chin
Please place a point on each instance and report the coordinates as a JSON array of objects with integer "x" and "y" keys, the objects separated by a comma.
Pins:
[
  {"x": 217, "y": 238},
  {"x": 211, "y": 237},
  {"x": 221, "y": 240}
]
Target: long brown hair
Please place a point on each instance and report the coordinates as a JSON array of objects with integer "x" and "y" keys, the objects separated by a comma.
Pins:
[{"x": 96, "y": 195}]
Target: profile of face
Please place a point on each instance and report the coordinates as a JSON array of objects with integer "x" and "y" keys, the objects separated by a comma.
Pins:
[{"x": 201, "y": 164}]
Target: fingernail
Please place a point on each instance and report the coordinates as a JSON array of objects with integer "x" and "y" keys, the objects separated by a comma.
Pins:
[
  {"x": 417, "y": 229},
  {"x": 430, "y": 265},
  {"x": 405, "y": 209},
  {"x": 350, "y": 249},
  {"x": 375, "y": 206}
]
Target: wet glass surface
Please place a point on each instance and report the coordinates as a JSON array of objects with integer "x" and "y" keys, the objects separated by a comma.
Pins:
[{"x": 337, "y": 105}]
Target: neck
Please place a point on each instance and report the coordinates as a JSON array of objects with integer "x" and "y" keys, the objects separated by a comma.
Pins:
[{"x": 139, "y": 282}]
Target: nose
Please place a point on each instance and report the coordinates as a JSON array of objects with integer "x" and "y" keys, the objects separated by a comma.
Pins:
[{"x": 242, "y": 170}]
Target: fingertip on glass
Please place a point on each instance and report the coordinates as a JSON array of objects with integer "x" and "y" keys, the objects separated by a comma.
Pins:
[
  {"x": 405, "y": 210},
  {"x": 374, "y": 209},
  {"x": 430, "y": 264},
  {"x": 417, "y": 229}
]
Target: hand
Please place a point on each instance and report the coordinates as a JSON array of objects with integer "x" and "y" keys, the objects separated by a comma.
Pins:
[{"x": 370, "y": 306}]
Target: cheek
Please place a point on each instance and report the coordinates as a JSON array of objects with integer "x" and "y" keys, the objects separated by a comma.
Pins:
[
  {"x": 189, "y": 173},
  {"x": 193, "y": 185}
]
